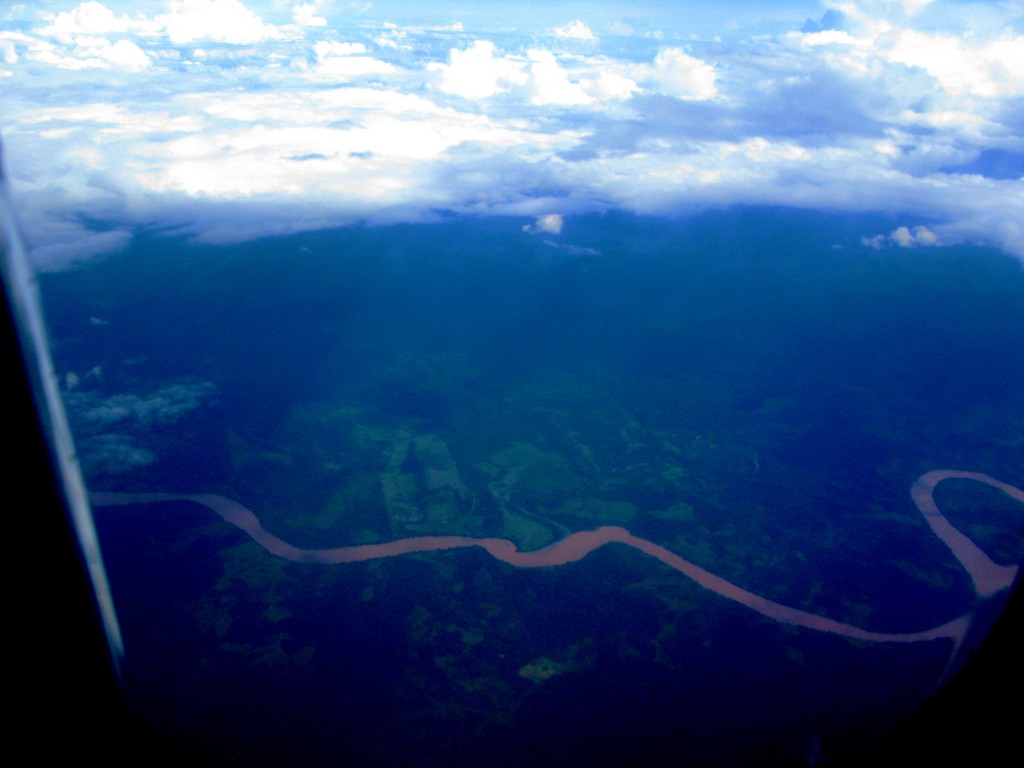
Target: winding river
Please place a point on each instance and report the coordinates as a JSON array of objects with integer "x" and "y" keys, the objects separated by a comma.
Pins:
[{"x": 988, "y": 577}]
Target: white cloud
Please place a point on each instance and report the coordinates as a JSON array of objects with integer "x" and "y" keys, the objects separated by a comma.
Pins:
[
  {"x": 240, "y": 140},
  {"x": 221, "y": 21},
  {"x": 477, "y": 72},
  {"x": 962, "y": 66},
  {"x": 89, "y": 18},
  {"x": 911, "y": 7},
  {"x": 113, "y": 453},
  {"x": 907, "y": 238},
  {"x": 344, "y": 150},
  {"x": 326, "y": 48},
  {"x": 120, "y": 432},
  {"x": 575, "y": 30},
  {"x": 124, "y": 54},
  {"x": 340, "y": 61},
  {"x": 549, "y": 83},
  {"x": 90, "y": 53},
  {"x": 831, "y": 37},
  {"x": 904, "y": 237},
  {"x": 609, "y": 86},
  {"x": 550, "y": 223},
  {"x": 352, "y": 67},
  {"x": 163, "y": 406},
  {"x": 8, "y": 53},
  {"x": 305, "y": 15},
  {"x": 66, "y": 243},
  {"x": 455, "y": 26},
  {"x": 391, "y": 38},
  {"x": 677, "y": 73},
  {"x": 93, "y": 18}
]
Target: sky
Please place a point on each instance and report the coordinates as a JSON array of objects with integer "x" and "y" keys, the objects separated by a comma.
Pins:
[{"x": 227, "y": 120}]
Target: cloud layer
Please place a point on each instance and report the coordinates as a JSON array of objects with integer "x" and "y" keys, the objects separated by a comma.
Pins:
[
  {"x": 232, "y": 119},
  {"x": 122, "y": 432}
]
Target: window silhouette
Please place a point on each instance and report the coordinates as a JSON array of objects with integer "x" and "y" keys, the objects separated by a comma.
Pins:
[{"x": 561, "y": 386}]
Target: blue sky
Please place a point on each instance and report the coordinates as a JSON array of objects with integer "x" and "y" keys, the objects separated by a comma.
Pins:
[{"x": 233, "y": 119}]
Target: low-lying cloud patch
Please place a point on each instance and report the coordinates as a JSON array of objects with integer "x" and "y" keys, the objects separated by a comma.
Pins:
[
  {"x": 121, "y": 432},
  {"x": 904, "y": 237},
  {"x": 550, "y": 223}
]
